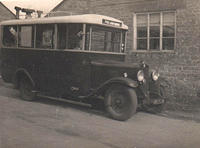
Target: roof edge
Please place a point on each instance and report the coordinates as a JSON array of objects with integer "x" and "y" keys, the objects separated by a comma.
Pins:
[{"x": 91, "y": 18}]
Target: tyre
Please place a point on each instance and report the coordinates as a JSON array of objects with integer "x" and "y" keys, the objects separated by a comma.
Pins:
[
  {"x": 120, "y": 102},
  {"x": 26, "y": 88}
]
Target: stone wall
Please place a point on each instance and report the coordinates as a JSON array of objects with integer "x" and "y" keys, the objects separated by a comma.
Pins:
[{"x": 180, "y": 70}]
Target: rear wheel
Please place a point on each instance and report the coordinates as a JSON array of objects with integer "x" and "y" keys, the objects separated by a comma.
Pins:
[
  {"x": 120, "y": 102},
  {"x": 26, "y": 90}
]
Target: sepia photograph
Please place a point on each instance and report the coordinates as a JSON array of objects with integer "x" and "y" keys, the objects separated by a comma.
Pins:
[{"x": 99, "y": 73}]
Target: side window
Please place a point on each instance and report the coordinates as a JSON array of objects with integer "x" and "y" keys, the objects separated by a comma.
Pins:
[
  {"x": 88, "y": 37},
  {"x": 26, "y": 38},
  {"x": 62, "y": 36},
  {"x": 75, "y": 32},
  {"x": 70, "y": 36},
  {"x": 45, "y": 36},
  {"x": 10, "y": 36}
]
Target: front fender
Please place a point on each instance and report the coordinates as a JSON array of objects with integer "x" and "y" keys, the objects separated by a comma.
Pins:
[{"x": 118, "y": 80}]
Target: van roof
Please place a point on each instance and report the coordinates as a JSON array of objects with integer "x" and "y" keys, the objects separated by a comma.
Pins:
[{"x": 85, "y": 19}]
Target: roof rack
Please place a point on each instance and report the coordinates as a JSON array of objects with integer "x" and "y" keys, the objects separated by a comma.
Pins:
[{"x": 28, "y": 12}]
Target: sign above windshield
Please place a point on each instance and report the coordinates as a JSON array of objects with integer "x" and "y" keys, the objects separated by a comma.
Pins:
[{"x": 113, "y": 23}]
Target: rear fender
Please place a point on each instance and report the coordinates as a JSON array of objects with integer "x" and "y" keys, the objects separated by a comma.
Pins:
[{"x": 22, "y": 73}]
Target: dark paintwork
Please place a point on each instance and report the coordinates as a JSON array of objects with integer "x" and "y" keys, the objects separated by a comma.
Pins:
[
  {"x": 52, "y": 69},
  {"x": 62, "y": 73}
]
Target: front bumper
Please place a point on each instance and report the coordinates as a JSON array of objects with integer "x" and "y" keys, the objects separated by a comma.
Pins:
[
  {"x": 154, "y": 95},
  {"x": 156, "y": 92},
  {"x": 156, "y": 99}
]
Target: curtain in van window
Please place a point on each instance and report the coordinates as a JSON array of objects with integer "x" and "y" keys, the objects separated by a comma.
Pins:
[{"x": 25, "y": 36}]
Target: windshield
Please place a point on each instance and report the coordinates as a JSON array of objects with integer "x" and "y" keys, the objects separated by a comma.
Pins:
[{"x": 105, "y": 39}]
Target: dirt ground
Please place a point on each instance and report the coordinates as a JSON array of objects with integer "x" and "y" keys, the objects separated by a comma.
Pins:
[{"x": 48, "y": 123}]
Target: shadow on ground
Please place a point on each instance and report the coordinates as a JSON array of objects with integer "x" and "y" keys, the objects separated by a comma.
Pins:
[{"x": 98, "y": 109}]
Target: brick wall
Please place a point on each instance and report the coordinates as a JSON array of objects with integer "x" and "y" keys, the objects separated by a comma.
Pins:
[{"x": 180, "y": 70}]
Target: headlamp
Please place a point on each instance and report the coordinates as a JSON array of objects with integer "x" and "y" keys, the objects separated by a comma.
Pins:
[
  {"x": 155, "y": 75},
  {"x": 140, "y": 76}
]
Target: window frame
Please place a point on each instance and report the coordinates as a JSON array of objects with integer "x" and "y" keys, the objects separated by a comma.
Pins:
[
  {"x": 135, "y": 38},
  {"x": 32, "y": 36},
  {"x": 53, "y": 36},
  {"x": 93, "y": 26},
  {"x": 123, "y": 35},
  {"x": 3, "y": 36}
]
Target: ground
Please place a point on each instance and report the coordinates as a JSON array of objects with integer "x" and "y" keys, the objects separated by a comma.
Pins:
[{"x": 54, "y": 124}]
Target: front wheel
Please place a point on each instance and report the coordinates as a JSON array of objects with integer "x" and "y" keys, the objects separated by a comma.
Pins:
[
  {"x": 120, "y": 102},
  {"x": 26, "y": 90}
]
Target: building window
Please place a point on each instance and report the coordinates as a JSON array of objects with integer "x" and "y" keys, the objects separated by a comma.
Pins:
[{"x": 154, "y": 31}]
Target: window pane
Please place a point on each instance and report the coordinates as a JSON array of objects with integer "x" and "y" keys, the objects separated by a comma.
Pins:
[
  {"x": 155, "y": 19},
  {"x": 155, "y": 31},
  {"x": 10, "y": 36},
  {"x": 97, "y": 45},
  {"x": 142, "y": 20},
  {"x": 62, "y": 36},
  {"x": 104, "y": 39},
  {"x": 168, "y": 43},
  {"x": 116, "y": 47},
  {"x": 108, "y": 36},
  {"x": 141, "y": 31},
  {"x": 44, "y": 36},
  {"x": 168, "y": 31},
  {"x": 116, "y": 36},
  {"x": 142, "y": 44},
  {"x": 99, "y": 35},
  {"x": 169, "y": 18},
  {"x": 87, "y": 37},
  {"x": 75, "y": 34},
  {"x": 154, "y": 44},
  {"x": 123, "y": 42},
  {"x": 25, "y": 36}
]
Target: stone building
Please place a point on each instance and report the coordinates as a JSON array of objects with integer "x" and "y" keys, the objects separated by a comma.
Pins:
[
  {"x": 5, "y": 13},
  {"x": 163, "y": 33}
]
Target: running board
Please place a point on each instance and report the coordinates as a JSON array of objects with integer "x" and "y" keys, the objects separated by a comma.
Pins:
[{"x": 65, "y": 100}]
